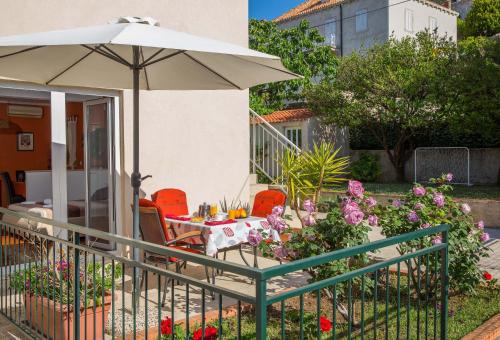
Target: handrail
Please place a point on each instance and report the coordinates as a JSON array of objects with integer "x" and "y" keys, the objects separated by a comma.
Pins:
[
  {"x": 155, "y": 248},
  {"x": 273, "y": 129},
  {"x": 349, "y": 252}
]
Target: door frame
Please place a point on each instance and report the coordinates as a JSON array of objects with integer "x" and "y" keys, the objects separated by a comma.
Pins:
[{"x": 112, "y": 197}]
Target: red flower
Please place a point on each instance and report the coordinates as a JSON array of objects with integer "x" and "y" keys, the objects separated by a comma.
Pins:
[
  {"x": 210, "y": 333},
  {"x": 487, "y": 276},
  {"x": 166, "y": 326},
  {"x": 325, "y": 324}
]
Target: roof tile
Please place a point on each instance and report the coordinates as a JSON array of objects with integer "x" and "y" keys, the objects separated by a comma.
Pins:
[{"x": 288, "y": 115}]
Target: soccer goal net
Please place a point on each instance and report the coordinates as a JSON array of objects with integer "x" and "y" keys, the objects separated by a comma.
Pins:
[{"x": 432, "y": 162}]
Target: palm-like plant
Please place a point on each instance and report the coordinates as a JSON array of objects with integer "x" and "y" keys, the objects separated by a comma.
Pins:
[
  {"x": 322, "y": 169},
  {"x": 306, "y": 174}
]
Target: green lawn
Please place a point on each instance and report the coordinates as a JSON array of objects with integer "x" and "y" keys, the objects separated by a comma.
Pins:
[
  {"x": 466, "y": 313},
  {"x": 462, "y": 191}
]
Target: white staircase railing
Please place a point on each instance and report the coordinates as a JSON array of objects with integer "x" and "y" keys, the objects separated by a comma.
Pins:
[{"x": 267, "y": 146}]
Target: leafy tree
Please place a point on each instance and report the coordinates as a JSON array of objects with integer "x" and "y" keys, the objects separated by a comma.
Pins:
[
  {"x": 302, "y": 51},
  {"x": 475, "y": 79},
  {"x": 483, "y": 18},
  {"x": 393, "y": 89}
]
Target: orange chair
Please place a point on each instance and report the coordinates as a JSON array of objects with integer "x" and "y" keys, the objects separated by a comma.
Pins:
[
  {"x": 171, "y": 201},
  {"x": 154, "y": 230},
  {"x": 266, "y": 200}
]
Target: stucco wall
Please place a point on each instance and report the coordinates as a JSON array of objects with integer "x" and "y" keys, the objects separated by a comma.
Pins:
[
  {"x": 484, "y": 165},
  {"x": 197, "y": 141},
  {"x": 446, "y": 21}
]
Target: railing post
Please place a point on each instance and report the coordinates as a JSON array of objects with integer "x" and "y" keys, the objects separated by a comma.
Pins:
[
  {"x": 76, "y": 301},
  {"x": 261, "y": 307},
  {"x": 444, "y": 287}
]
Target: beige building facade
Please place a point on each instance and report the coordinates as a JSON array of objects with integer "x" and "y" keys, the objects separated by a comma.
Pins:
[{"x": 197, "y": 141}]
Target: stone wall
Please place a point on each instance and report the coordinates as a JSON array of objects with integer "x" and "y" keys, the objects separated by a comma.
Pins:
[{"x": 484, "y": 165}]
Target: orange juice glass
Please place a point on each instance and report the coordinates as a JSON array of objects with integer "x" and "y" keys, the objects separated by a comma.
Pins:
[{"x": 213, "y": 210}]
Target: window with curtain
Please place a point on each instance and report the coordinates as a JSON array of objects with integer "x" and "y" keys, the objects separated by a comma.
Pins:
[
  {"x": 295, "y": 135},
  {"x": 330, "y": 30},
  {"x": 408, "y": 20},
  {"x": 361, "y": 20},
  {"x": 432, "y": 24}
]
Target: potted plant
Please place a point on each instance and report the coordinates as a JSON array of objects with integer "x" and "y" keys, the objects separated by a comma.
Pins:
[{"x": 49, "y": 295}]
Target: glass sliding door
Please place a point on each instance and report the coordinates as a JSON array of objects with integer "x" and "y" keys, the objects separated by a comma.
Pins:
[{"x": 99, "y": 169}]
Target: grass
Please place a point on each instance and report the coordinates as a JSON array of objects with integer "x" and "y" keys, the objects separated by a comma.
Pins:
[
  {"x": 466, "y": 313},
  {"x": 459, "y": 191}
]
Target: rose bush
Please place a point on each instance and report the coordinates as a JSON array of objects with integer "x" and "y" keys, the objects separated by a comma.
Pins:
[{"x": 423, "y": 207}]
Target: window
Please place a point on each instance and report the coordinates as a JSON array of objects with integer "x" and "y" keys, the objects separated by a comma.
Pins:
[
  {"x": 432, "y": 24},
  {"x": 330, "y": 29},
  {"x": 408, "y": 20},
  {"x": 361, "y": 20},
  {"x": 295, "y": 135}
]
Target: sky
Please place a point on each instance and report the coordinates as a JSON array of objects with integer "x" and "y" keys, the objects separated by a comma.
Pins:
[{"x": 270, "y": 9}]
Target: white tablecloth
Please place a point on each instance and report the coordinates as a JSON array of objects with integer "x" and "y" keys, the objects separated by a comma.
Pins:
[
  {"x": 225, "y": 235},
  {"x": 35, "y": 210}
]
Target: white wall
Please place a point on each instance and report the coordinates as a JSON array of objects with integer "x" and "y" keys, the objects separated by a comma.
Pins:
[
  {"x": 197, "y": 141},
  {"x": 422, "y": 10}
]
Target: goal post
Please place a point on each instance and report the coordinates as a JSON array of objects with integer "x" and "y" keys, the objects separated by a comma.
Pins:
[{"x": 432, "y": 162}]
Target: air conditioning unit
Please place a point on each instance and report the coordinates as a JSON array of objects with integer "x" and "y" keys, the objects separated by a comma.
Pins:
[{"x": 25, "y": 111}]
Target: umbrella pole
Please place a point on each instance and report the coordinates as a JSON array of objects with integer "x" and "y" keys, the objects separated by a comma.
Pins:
[{"x": 136, "y": 176}]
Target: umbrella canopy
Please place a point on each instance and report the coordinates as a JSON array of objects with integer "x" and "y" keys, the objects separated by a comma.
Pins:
[
  {"x": 136, "y": 54},
  {"x": 102, "y": 57}
]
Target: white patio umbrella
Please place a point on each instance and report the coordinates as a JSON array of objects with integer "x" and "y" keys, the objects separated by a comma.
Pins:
[{"x": 136, "y": 54}]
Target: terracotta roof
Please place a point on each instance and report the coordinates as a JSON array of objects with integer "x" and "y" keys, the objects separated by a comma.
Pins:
[
  {"x": 311, "y": 6},
  {"x": 307, "y": 7},
  {"x": 288, "y": 115}
]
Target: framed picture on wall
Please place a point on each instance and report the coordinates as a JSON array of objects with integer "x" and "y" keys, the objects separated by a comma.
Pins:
[
  {"x": 20, "y": 176},
  {"x": 25, "y": 141}
]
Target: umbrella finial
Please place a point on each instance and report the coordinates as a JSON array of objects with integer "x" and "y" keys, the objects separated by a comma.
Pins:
[{"x": 136, "y": 20}]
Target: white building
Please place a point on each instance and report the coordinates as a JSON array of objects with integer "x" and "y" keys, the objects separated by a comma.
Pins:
[{"x": 350, "y": 25}]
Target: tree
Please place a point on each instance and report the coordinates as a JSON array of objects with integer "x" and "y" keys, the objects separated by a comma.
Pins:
[
  {"x": 302, "y": 51},
  {"x": 483, "y": 19},
  {"x": 392, "y": 90},
  {"x": 475, "y": 79}
]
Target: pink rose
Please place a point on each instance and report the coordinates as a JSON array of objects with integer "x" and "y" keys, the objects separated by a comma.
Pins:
[
  {"x": 418, "y": 206},
  {"x": 277, "y": 210},
  {"x": 449, "y": 177},
  {"x": 425, "y": 225},
  {"x": 438, "y": 199},
  {"x": 308, "y": 220},
  {"x": 371, "y": 202},
  {"x": 397, "y": 203},
  {"x": 254, "y": 237},
  {"x": 413, "y": 217},
  {"x": 373, "y": 220},
  {"x": 308, "y": 206},
  {"x": 280, "y": 252},
  {"x": 437, "y": 240},
  {"x": 485, "y": 237},
  {"x": 465, "y": 208},
  {"x": 419, "y": 191},
  {"x": 354, "y": 217},
  {"x": 355, "y": 188},
  {"x": 480, "y": 224},
  {"x": 350, "y": 206}
]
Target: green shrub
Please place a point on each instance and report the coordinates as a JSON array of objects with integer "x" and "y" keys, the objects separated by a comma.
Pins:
[
  {"x": 423, "y": 207},
  {"x": 366, "y": 168}
]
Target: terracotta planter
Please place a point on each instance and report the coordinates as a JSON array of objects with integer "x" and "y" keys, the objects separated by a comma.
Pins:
[{"x": 64, "y": 318}]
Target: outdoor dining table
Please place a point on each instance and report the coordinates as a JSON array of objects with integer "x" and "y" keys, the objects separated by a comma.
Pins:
[{"x": 223, "y": 236}]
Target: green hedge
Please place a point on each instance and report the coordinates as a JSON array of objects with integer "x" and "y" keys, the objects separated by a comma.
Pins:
[{"x": 442, "y": 135}]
